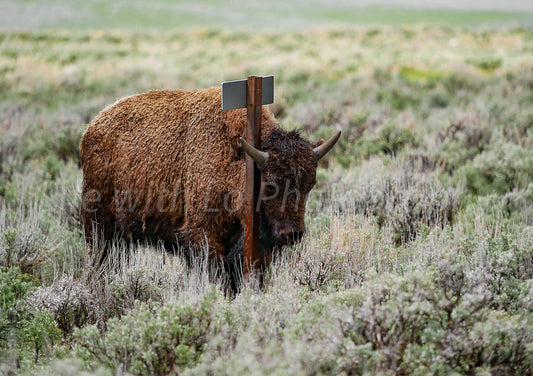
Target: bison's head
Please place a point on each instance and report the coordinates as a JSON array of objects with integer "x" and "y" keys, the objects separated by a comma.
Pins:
[{"x": 288, "y": 172}]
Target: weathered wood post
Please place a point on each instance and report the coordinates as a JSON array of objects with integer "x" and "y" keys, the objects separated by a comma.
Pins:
[
  {"x": 253, "y": 177},
  {"x": 252, "y": 93}
]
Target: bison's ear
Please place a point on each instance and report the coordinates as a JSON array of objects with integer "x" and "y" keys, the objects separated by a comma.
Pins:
[
  {"x": 321, "y": 150},
  {"x": 314, "y": 144}
]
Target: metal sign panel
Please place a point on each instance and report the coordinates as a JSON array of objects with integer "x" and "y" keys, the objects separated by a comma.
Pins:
[{"x": 234, "y": 93}]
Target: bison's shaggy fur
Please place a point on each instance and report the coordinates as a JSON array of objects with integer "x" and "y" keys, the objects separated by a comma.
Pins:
[{"x": 167, "y": 166}]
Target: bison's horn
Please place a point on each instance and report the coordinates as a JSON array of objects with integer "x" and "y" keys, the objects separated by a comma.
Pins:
[
  {"x": 258, "y": 156},
  {"x": 322, "y": 150}
]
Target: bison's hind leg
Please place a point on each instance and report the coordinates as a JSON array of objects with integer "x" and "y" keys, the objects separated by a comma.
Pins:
[{"x": 99, "y": 231}]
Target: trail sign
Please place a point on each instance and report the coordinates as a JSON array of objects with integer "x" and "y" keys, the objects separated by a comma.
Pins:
[
  {"x": 251, "y": 93},
  {"x": 234, "y": 93}
]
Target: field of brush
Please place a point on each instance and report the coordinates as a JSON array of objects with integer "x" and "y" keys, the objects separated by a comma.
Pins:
[{"x": 419, "y": 253}]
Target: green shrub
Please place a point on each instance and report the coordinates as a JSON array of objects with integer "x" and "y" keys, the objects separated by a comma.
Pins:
[
  {"x": 135, "y": 285},
  {"x": 382, "y": 75},
  {"x": 22, "y": 239},
  {"x": 459, "y": 143},
  {"x": 507, "y": 266},
  {"x": 504, "y": 168},
  {"x": 356, "y": 145},
  {"x": 316, "y": 272},
  {"x": 487, "y": 63},
  {"x": 392, "y": 139},
  {"x": 399, "y": 98},
  {"x": 518, "y": 127},
  {"x": 384, "y": 318},
  {"x": 406, "y": 203},
  {"x": 70, "y": 302},
  {"x": 151, "y": 339},
  {"x": 26, "y": 334},
  {"x": 67, "y": 143},
  {"x": 439, "y": 98},
  {"x": 424, "y": 78},
  {"x": 14, "y": 287},
  {"x": 463, "y": 80},
  {"x": 434, "y": 322},
  {"x": 67, "y": 367},
  {"x": 519, "y": 204},
  {"x": 52, "y": 165},
  {"x": 41, "y": 333}
]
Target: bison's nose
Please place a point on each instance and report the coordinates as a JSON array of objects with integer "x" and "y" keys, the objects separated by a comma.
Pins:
[{"x": 290, "y": 235}]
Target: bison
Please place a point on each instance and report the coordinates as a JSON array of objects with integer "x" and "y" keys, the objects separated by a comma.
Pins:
[{"x": 169, "y": 166}]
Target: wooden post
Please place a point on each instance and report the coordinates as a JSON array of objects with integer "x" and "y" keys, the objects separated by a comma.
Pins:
[
  {"x": 251, "y": 93},
  {"x": 253, "y": 179}
]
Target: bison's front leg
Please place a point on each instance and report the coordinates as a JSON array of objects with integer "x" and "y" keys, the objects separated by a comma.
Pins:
[
  {"x": 235, "y": 257},
  {"x": 197, "y": 243},
  {"x": 233, "y": 264}
]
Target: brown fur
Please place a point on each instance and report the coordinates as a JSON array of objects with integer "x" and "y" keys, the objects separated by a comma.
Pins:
[{"x": 167, "y": 165}]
